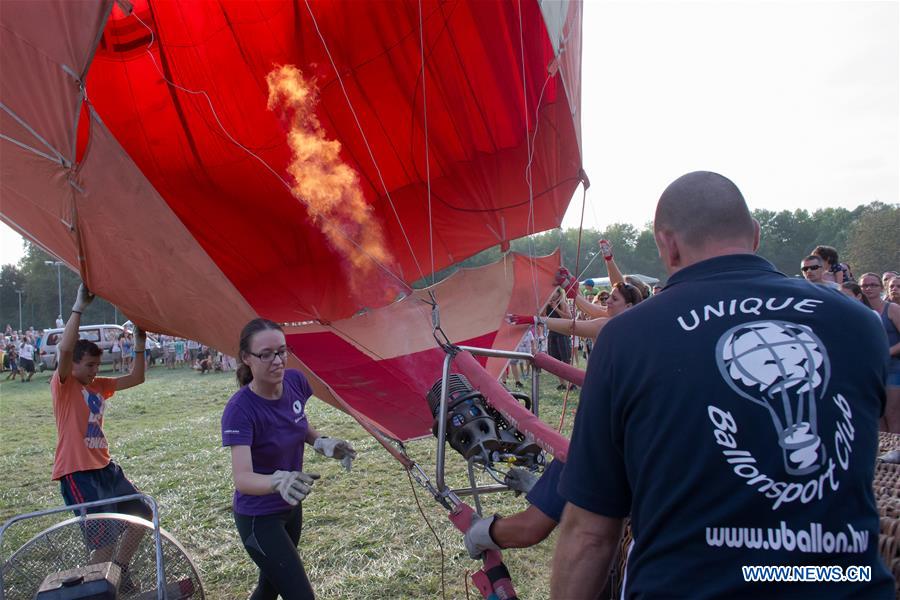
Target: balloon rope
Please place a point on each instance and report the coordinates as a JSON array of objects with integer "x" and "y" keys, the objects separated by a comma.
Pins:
[
  {"x": 425, "y": 128},
  {"x": 364, "y": 138},
  {"x": 530, "y": 223},
  {"x": 577, "y": 261},
  {"x": 433, "y": 532},
  {"x": 212, "y": 109}
]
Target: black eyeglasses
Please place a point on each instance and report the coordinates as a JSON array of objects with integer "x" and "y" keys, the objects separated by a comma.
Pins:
[
  {"x": 269, "y": 355},
  {"x": 811, "y": 268}
]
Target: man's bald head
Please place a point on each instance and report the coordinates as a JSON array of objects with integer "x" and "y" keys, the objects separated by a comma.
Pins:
[{"x": 704, "y": 214}]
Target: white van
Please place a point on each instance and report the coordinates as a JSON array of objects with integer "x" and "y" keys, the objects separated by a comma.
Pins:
[{"x": 102, "y": 335}]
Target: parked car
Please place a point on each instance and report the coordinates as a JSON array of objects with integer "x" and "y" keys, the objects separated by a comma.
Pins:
[{"x": 102, "y": 335}]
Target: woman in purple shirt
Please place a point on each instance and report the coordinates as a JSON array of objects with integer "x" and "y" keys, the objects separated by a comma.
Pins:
[{"x": 266, "y": 427}]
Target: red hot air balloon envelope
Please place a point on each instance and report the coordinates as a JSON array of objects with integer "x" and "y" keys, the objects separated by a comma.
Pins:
[{"x": 141, "y": 146}]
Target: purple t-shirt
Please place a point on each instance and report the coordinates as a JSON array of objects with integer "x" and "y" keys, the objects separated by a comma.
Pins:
[{"x": 275, "y": 430}]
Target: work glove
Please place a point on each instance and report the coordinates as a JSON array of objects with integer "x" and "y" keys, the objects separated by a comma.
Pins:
[
  {"x": 140, "y": 340},
  {"x": 83, "y": 299},
  {"x": 522, "y": 319},
  {"x": 293, "y": 486},
  {"x": 605, "y": 249},
  {"x": 520, "y": 480},
  {"x": 571, "y": 291},
  {"x": 478, "y": 537},
  {"x": 337, "y": 449}
]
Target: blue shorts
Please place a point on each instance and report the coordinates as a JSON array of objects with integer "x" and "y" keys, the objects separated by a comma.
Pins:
[
  {"x": 893, "y": 380},
  {"x": 99, "y": 484}
]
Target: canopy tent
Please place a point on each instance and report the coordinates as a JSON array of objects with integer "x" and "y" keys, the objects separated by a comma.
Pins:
[
  {"x": 604, "y": 281},
  {"x": 139, "y": 148}
]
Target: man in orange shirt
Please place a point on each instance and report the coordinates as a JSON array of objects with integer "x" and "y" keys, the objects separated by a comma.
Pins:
[{"x": 82, "y": 464}]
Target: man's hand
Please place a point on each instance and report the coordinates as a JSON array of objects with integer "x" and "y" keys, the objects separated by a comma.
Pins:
[
  {"x": 605, "y": 249},
  {"x": 293, "y": 486},
  {"x": 83, "y": 299},
  {"x": 337, "y": 449},
  {"x": 140, "y": 340},
  {"x": 478, "y": 537},
  {"x": 520, "y": 480}
]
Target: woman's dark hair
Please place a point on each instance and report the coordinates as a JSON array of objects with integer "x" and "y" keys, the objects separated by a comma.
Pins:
[
  {"x": 642, "y": 287},
  {"x": 244, "y": 375},
  {"x": 827, "y": 254},
  {"x": 631, "y": 294},
  {"x": 857, "y": 292}
]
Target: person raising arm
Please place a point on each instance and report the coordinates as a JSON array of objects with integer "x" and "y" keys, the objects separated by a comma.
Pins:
[{"x": 83, "y": 465}]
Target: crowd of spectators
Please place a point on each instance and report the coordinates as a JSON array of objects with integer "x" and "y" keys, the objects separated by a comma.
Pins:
[{"x": 21, "y": 356}]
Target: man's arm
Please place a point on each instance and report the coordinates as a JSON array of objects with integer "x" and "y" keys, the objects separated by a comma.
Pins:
[
  {"x": 584, "y": 552},
  {"x": 523, "y": 529},
  {"x": 136, "y": 377},
  {"x": 66, "y": 346}
]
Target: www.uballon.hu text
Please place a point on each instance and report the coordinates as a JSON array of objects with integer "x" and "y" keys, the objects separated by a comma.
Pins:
[{"x": 810, "y": 539}]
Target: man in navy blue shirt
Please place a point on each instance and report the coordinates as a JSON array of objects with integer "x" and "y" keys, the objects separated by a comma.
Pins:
[{"x": 740, "y": 431}]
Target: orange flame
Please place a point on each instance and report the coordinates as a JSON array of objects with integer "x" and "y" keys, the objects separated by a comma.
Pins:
[{"x": 328, "y": 187}]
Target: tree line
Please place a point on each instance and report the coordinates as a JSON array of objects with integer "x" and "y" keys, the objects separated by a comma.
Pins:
[{"x": 867, "y": 238}]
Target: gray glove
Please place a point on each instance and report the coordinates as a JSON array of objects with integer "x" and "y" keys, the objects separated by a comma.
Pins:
[
  {"x": 293, "y": 486},
  {"x": 520, "y": 480},
  {"x": 478, "y": 537},
  {"x": 83, "y": 299},
  {"x": 335, "y": 448}
]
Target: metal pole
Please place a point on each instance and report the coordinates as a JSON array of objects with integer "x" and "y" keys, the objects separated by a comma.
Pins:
[
  {"x": 442, "y": 425},
  {"x": 59, "y": 284},
  {"x": 20, "y": 292}
]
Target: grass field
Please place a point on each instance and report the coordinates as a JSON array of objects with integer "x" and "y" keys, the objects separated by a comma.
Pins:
[{"x": 363, "y": 536}]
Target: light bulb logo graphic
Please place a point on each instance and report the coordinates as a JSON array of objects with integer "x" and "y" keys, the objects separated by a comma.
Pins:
[{"x": 780, "y": 366}]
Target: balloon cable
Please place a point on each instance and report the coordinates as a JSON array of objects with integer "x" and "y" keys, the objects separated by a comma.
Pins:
[
  {"x": 362, "y": 133},
  {"x": 433, "y": 532},
  {"x": 427, "y": 154}
]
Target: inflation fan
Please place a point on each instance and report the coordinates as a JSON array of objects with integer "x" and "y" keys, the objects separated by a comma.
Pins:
[{"x": 102, "y": 556}]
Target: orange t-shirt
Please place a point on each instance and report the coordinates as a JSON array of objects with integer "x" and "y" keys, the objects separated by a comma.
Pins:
[{"x": 80, "y": 443}]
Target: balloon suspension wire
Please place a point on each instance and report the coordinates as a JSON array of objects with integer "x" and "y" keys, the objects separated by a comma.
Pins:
[
  {"x": 427, "y": 153},
  {"x": 530, "y": 223},
  {"x": 262, "y": 161},
  {"x": 530, "y": 142},
  {"x": 364, "y": 138},
  {"x": 433, "y": 532},
  {"x": 574, "y": 337}
]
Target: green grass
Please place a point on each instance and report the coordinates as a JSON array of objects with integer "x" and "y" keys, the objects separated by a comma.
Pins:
[{"x": 363, "y": 536}]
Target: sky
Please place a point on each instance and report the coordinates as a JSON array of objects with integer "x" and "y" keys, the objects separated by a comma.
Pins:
[{"x": 796, "y": 101}]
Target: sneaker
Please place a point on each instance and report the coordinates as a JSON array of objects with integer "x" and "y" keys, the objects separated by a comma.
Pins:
[
  {"x": 518, "y": 385},
  {"x": 561, "y": 387}
]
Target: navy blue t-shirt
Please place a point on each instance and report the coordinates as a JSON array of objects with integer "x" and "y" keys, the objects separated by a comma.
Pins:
[
  {"x": 545, "y": 496},
  {"x": 736, "y": 421},
  {"x": 275, "y": 430}
]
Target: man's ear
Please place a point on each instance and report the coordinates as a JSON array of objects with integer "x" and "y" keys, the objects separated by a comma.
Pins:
[
  {"x": 755, "y": 235},
  {"x": 669, "y": 251}
]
